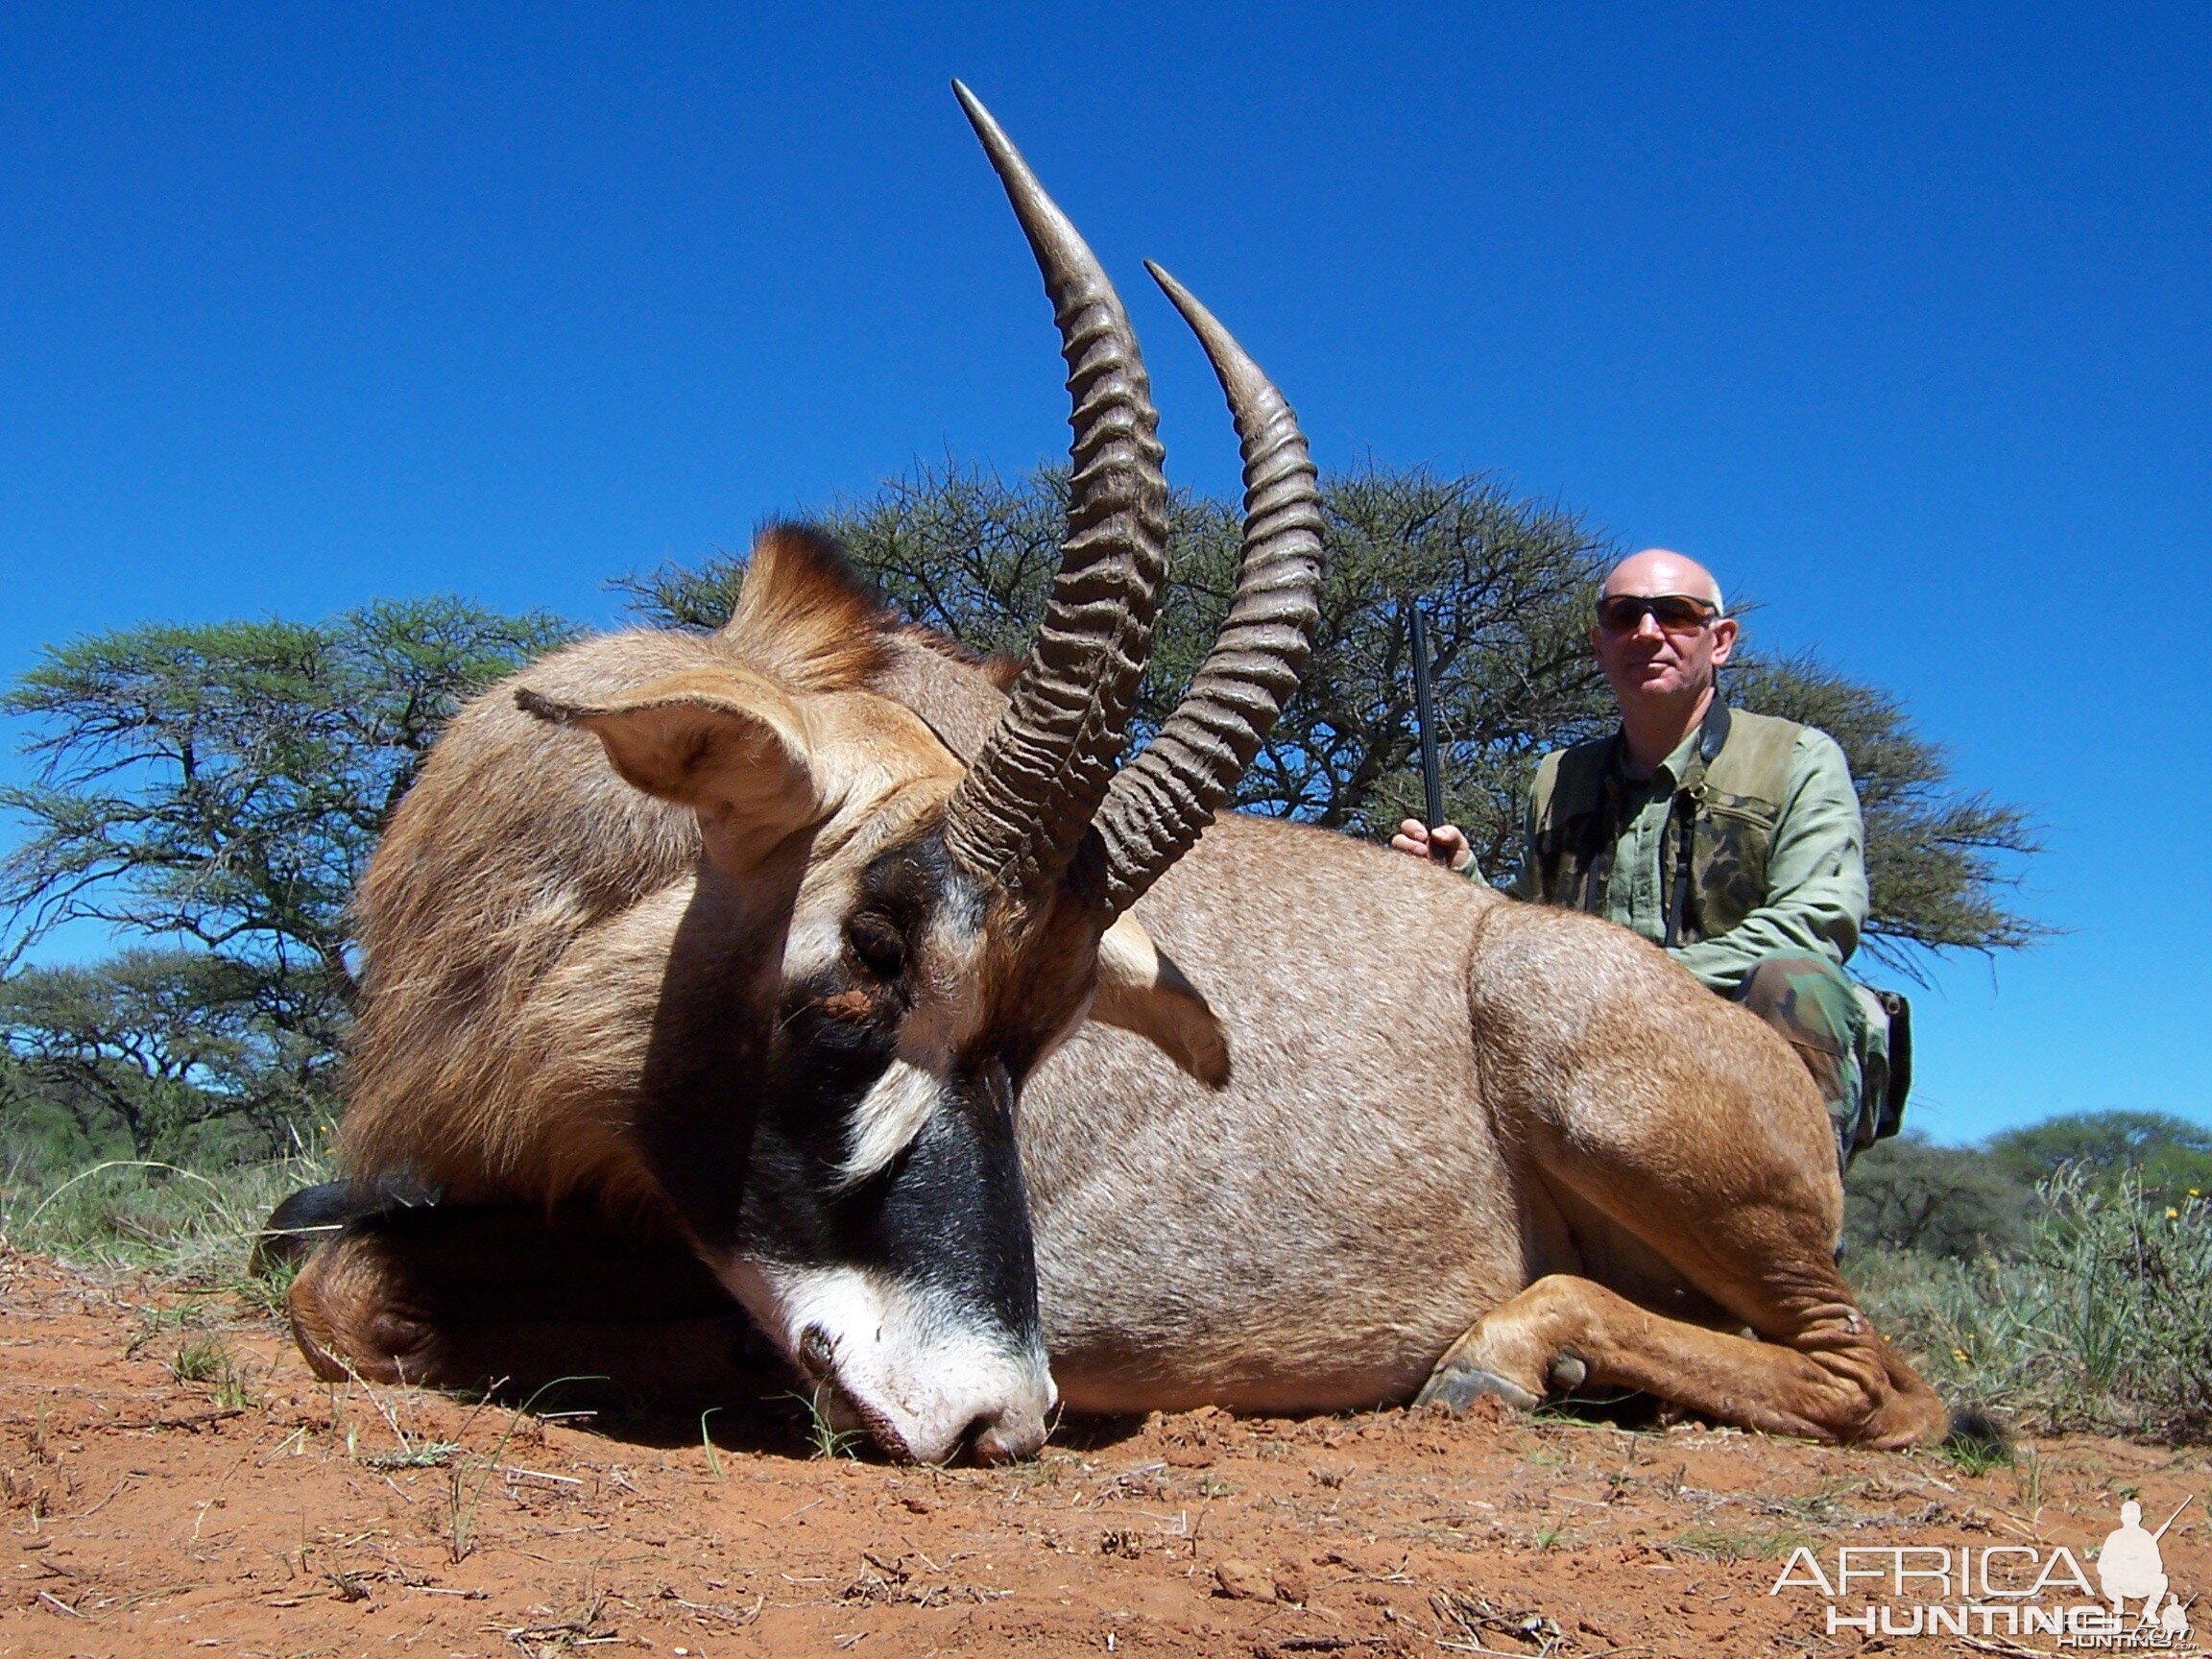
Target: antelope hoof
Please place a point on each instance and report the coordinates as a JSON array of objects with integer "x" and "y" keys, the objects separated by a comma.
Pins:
[
  {"x": 1567, "y": 1374},
  {"x": 1458, "y": 1385}
]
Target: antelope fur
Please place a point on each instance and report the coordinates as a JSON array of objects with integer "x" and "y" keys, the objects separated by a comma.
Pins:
[
  {"x": 1337, "y": 1122},
  {"x": 1436, "y": 1097},
  {"x": 508, "y": 1007}
]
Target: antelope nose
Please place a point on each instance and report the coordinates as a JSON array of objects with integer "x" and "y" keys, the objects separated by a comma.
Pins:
[
  {"x": 1008, "y": 1435},
  {"x": 817, "y": 1355}
]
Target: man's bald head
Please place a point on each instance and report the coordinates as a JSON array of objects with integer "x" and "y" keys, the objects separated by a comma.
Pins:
[
  {"x": 1659, "y": 645},
  {"x": 1656, "y": 571}
]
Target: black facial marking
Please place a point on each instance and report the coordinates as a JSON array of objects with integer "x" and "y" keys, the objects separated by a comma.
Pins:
[
  {"x": 836, "y": 1035},
  {"x": 750, "y": 1130},
  {"x": 951, "y": 1211}
]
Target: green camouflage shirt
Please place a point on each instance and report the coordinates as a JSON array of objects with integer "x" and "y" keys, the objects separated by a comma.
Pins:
[{"x": 1816, "y": 896}]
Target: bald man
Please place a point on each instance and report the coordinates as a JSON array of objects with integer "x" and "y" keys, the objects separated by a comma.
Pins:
[{"x": 1732, "y": 840}]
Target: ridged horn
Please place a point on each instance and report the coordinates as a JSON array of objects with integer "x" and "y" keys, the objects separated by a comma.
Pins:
[
  {"x": 1161, "y": 800},
  {"x": 1017, "y": 817}
]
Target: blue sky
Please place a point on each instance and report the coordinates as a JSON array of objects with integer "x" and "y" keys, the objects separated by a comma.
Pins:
[{"x": 1899, "y": 318}]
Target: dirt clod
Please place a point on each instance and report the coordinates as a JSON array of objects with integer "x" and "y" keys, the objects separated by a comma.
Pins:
[{"x": 1244, "y": 1582}]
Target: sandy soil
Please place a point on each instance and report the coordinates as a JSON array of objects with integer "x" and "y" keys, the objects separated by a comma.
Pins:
[{"x": 270, "y": 1515}]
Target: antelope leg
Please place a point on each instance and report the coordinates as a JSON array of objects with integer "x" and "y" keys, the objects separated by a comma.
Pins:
[{"x": 1826, "y": 1375}]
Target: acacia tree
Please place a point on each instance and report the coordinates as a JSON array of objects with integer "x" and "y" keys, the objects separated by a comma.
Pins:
[
  {"x": 213, "y": 792},
  {"x": 1942, "y": 862},
  {"x": 2169, "y": 1157},
  {"x": 1907, "y": 1194},
  {"x": 1507, "y": 587},
  {"x": 210, "y": 794},
  {"x": 156, "y": 1042}
]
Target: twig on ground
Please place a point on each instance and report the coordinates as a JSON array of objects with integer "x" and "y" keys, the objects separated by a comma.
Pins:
[{"x": 194, "y": 1421}]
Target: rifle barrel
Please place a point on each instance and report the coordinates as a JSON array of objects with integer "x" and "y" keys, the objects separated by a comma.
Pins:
[
  {"x": 2175, "y": 1516},
  {"x": 1425, "y": 724}
]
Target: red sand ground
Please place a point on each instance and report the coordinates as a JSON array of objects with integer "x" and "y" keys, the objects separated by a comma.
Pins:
[{"x": 146, "y": 1516}]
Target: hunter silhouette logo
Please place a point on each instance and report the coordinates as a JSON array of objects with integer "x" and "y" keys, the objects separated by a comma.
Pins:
[
  {"x": 2130, "y": 1568},
  {"x": 2005, "y": 1589}
]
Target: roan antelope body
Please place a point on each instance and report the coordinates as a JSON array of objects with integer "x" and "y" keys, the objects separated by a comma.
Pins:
[{"x": 1340, "y": 1124}]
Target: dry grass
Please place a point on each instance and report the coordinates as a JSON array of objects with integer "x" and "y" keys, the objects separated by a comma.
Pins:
[{"x": 2102, "y": 1325}]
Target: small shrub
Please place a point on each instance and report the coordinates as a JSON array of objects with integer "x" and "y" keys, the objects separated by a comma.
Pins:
[
  {"x": 204, "y": 1361},
  {"x": 199, "y": 1359},
  {"x": 1748, "y": 1542},
  {"x": 2103, "y": 1323},
  {"x": 824, "y": 1439},
  {"x": 1978, "y": 1442}
]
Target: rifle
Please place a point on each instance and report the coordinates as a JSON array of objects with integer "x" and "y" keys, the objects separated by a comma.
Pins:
[
  {"x": 2171, "y": 1518},
  {"x": 1425, "y": 725}
]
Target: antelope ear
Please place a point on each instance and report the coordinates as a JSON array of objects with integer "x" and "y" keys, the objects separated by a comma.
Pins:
[
  {"x": 1142, "y": 990},
  {"x": 726, "y": 743}
]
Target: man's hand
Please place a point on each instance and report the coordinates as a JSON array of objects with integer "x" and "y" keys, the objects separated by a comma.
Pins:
[{"x": 1416, "y": 840}]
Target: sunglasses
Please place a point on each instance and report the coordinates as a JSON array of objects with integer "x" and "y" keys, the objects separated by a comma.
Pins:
[{"x": 1675, "y": 613}]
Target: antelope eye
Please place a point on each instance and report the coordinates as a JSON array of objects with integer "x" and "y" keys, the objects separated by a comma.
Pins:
[{"x": 878, "y": 944}]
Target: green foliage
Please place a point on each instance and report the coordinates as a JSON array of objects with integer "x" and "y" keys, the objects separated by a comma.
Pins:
[
  {"x": 1949, "y": 1201},
  {"x": 1978, "y": 1446},
  {"x": 199, "y": 1359},
  {"x": 822, "y": 1436},
  {"x": 1962, "y": 1203},
  {"x": 44, "y": 1131},
  {"x": 2102, "y": 1325},
  {"x": 1507, "y": 587},
  {"x": 210, "y": 794},
  {"x": 224, "y": 783},
  {"x": 2168, "y": 1158},
  {"x": 159, "y": 1041},
  {"x": 1743, "y": 1543}
]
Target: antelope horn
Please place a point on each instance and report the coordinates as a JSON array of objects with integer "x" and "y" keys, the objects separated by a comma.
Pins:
[
  {"x": 1161, "y": 800},
  {"x": 1017, "y": 817}
]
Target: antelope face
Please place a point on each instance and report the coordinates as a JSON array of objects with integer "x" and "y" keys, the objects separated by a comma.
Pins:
[
  {"x": 884, "y": 1240},
  {"x": 844, "y": 1030}
]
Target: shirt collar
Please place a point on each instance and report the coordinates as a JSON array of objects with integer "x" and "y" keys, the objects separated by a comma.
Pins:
[{"x": 1671, "y": 770}]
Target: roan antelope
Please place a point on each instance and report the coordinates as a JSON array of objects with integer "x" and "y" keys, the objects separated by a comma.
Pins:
[{"x": 740, "y": 950}]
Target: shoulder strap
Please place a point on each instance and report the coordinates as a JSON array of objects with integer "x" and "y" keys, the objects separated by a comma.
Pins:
[
  {"x": 1568, "y": 812},
  {"x": 1546, "y": 787},
  {"x": 1713, "y": 735}
]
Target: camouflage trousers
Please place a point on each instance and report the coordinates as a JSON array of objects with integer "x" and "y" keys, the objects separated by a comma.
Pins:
[{"x": 1844, "y": 1045}]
